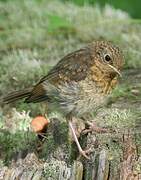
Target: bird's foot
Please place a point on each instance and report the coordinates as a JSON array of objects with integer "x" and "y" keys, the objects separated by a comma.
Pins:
[
  {"x": 85, "y": 153},
  {"x": 95, "y": 128},
  {"x": 82, "y": 152}
]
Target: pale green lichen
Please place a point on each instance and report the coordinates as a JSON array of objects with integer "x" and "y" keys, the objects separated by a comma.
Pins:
[
  {"x": 56, "y": 169},
  {"x": 120, "y": 119}
]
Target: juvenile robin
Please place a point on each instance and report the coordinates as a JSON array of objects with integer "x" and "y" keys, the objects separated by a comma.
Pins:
[{"x": 78, "y": 84}]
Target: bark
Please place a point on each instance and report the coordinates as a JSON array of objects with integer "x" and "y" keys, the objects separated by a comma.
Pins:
[{"x": 115, "y": 156}]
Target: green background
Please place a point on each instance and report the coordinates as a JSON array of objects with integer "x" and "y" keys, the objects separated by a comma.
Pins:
[{"x": 133, "y": 7}]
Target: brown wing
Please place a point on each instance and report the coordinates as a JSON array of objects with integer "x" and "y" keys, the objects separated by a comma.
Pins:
[{"x": 73, "y": 67}]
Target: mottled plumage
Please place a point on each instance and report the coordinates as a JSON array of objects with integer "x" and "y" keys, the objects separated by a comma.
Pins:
[{"x": 79, "y": 83}]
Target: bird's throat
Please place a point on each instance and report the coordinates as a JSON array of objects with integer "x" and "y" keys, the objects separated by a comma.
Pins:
[{"x": 105, "y": 81}]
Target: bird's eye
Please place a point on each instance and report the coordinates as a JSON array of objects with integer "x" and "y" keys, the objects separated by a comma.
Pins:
[{"x": 107, "y": 58}]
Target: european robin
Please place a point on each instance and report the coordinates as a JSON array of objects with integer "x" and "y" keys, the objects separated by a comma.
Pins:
[{"x": 78, "y": 84}]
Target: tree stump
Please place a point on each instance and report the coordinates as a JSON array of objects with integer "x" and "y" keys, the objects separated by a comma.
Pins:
[{"x": 115, "y": 156}]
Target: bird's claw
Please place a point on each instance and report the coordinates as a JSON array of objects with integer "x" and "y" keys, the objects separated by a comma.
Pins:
[
  {"x": 85, "y": 153},
  {"x": 95, "y": 128}
]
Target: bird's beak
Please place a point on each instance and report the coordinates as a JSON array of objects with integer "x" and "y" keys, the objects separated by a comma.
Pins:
[{"x": 112, "y": 67}]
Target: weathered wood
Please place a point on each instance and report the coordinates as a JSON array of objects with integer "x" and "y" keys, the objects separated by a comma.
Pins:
[
  {"x": 114, "y": 157},
  {"x": 77, "y": 171},
  {"x": 97, "y": 168},
  {"x": 103, "y": 166},
  {"x": 130, "y": 159}
]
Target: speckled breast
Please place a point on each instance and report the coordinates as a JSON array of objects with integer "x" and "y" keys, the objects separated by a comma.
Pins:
[{"x": 77, "y": 98}]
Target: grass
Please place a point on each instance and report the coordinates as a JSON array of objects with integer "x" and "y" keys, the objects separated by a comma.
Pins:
[
  {"x": 34, "y": 35},
  {"x": 129, "y": 6}
]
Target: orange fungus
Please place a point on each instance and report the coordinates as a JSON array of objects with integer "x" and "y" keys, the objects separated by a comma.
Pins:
[{"x": 39, "y": 124}]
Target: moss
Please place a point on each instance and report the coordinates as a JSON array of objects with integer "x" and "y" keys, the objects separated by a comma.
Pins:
[
  {"x": 48, "y": 147},
  {"x": 56, "y": 137},
  {"x": 12, "y": 144}
]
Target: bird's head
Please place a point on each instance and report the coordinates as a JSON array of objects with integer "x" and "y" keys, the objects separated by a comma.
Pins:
[{"x": 108, "y": 58}]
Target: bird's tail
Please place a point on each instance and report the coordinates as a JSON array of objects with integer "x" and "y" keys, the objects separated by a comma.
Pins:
[{"x": 16, "y": 95}]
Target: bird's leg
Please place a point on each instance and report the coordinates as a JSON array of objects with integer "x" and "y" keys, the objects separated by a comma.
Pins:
[
  {"x": 81, "y": 151},
  {"x": 95, "y": 128}
]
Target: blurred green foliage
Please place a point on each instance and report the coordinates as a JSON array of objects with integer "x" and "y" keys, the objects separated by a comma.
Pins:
[
  {"x": 56, "y": 22},
  {"x": 132, "y": 7}
]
